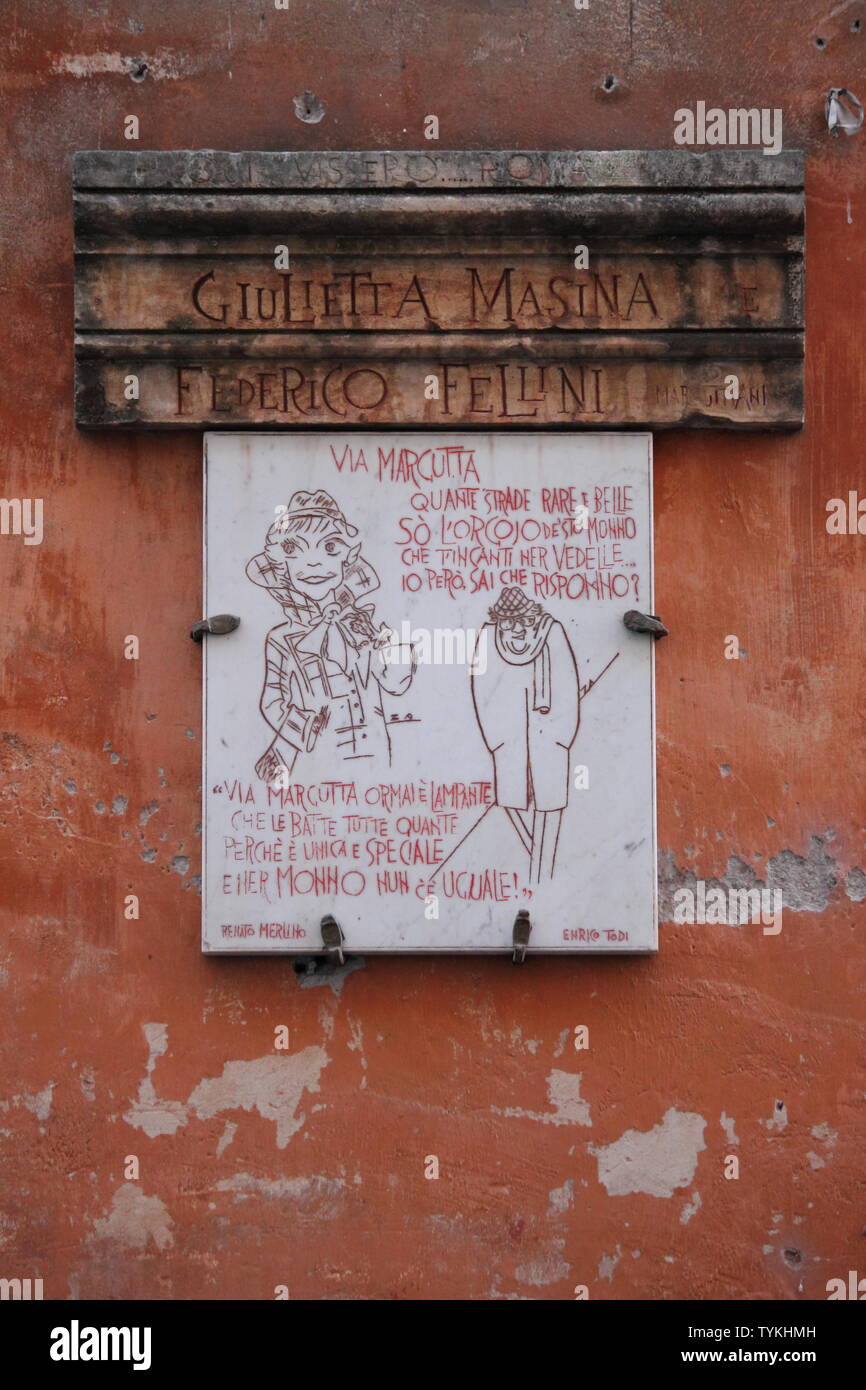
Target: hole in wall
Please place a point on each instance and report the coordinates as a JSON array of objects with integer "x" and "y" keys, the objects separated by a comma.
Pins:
[{"x": 308, "y": 108}]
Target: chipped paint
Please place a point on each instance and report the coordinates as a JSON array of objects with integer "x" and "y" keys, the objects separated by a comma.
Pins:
[
  {"x": 548, "y": 1268},
  {"x": 149, "y": 1113},
  {"x": 806, "y": 882},
  {"x": 273, "y": 1086},
  {"x": 656, "y": 1161},
  {"x": 563, "y": 1092},
  {"x": 323, "y": 1196},
  {"x": 561, "y": 1198},
  {"x": 228, "y": 1134},
  {"x": 135, "y": 1220},
  {"x": 691, "y": 1208},
  {"x": 778, "y": 1121},
  {"x": 160, "y": 65}
]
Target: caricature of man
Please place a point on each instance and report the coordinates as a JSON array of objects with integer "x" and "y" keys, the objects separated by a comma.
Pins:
[
  {"x": 319, "y": 662},
  {"x": 527, "y": 702}
]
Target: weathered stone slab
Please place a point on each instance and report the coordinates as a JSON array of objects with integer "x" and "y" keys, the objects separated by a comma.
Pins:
[
  {"x": 461, "y": 290},
  {"x": 635, "y": 287}
]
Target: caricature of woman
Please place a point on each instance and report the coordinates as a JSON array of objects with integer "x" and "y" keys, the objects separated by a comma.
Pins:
[{"x": 319, "y": 662}]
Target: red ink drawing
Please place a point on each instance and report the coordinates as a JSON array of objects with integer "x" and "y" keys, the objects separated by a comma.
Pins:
[
  {"x": 320, "y": 661},
  {"x": 527, "y": 703}
]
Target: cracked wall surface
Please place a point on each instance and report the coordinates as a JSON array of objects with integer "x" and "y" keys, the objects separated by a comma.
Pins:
[{"x": 153, "y": 1141}]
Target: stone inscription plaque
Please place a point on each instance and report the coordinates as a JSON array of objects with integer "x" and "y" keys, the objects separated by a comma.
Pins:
[
  {"x": 640, "y": 288},
  {"x": 431, "y": 716}
]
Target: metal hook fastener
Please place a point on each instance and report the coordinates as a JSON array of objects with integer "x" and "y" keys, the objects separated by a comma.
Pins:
[
  {"x": 520, "y": 936},
  {"x": 215, "y": 627},
  {"x": 644, "y": 622},
  {"x": 332, "y": 936}
]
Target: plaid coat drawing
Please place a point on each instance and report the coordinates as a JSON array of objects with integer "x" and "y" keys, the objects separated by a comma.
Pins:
[{"x": 323, "y": 682}]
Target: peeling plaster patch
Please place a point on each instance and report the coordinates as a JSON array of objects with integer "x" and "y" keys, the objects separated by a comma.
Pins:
[
  {"x": 655, "y": 1161},
  {"x": 4, "y": 970},
  {"x": 724, "y": 769},
  {"x": 691, "y": 1209},
  {"x": 855, "y": 885},
  {"x": 779, "y": 1120},
  {"x": 99, "y": 808},
  {"x": 39, "y": 1102},
  {"x": 561, "y": 1198},
  {"x": 119, "y": 805},
  {"x": 547, "y": 1269},
  {"x": 561, "y": 1041},
  {"x": 327, "y": 974},
  {"x": 148, "y": 855},
  {"x": 563, "y": 1090},
  {"x": 272, "y": 1085},
  {"x": 70, "y": 787},
  {"x": 727, "y": 1123},
  {"x": 325, "y": 1194},
  {"x": 326, "y": 1018},
  {"x": 226, "y": 1138},
  {"x": 87, "y": 1082},
  {"x": 827, "y": 1135},
  {"x": 135, "y": 1219},
  {"x": 607, "y": 1265},
  {"x": 149, "y": 1113},
  {"x": 356, "y": 1044},
  {"x": 147, "y": 811},
  {"x": 179, "y": 864},
  {"x": 804, "y": 882},
  {"x": 162, "y": 64},
  {"x": 828, "y": 1138}
]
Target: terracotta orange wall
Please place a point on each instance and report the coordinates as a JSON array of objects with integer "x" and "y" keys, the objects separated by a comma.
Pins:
[{"x": 260, "y": 1168}]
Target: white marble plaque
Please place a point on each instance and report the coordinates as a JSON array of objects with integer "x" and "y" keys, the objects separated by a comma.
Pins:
[{"x": 431, "y": 715}]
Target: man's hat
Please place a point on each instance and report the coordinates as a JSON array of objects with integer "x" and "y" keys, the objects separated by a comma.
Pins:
[{"x": 513, "y": 603}]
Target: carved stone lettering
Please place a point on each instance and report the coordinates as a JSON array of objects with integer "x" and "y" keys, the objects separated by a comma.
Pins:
[{"x": 439, "y": 288}]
